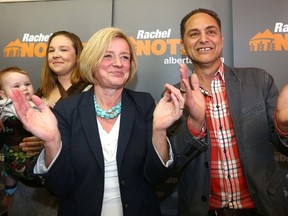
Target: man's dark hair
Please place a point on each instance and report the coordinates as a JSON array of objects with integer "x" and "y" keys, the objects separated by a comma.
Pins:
[{"x": 199, "y": 10}]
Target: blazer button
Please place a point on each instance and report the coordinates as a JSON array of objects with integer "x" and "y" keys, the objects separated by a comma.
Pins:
[
  {"x": 126, "y": 206},
  {"x": 206, "y": 164},
  {"x": 123, "y": 183},
  {"x": 42, "y": 179}
]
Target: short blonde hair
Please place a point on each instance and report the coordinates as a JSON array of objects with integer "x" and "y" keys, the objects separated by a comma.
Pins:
[{"x": 95, "y": 50}]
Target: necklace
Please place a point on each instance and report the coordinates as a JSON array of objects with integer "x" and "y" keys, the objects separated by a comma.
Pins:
[{"x": 107, "y": 114}]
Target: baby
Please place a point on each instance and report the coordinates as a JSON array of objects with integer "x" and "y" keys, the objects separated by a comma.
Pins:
[{"x": 16, "y": 161}]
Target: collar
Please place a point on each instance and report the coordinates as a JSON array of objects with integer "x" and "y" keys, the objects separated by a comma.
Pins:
[{"x": 221, "y": 72}]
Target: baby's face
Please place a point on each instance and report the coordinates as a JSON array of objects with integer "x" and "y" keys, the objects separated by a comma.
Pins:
[{"x": 17, "y": 80}]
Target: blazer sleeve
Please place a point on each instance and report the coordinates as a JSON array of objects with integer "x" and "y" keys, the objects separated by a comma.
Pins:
[{"x": 60, "y": 180}]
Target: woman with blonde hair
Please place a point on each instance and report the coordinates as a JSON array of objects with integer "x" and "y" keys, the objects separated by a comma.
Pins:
[{"x": 110, "y": 148}]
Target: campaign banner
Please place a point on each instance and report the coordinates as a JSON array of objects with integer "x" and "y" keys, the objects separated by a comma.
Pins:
[
  {"x": 27, "y": 26},
  {"x": 154, "y": 27},
  {"x": 260, "y": 31}
]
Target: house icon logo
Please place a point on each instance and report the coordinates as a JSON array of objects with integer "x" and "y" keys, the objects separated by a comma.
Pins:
[
  {"x": 18, "y": 49},
  {"x": 13, "y": 49},
  {"x": 268, "y": 41},
  {"x": 30, "y": 46}
]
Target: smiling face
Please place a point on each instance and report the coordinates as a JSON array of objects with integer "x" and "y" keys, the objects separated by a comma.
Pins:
[
  {"x": 202, "y": 40},
  {"x": 61, "y": 55},
  {"x": 114, "y": 69}
]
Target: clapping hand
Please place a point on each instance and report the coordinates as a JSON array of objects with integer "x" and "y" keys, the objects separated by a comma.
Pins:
[
  {"x": 42, "y": 123},
  {"x": 169, "y": 109},
  {"x": 194, "y": 99}
]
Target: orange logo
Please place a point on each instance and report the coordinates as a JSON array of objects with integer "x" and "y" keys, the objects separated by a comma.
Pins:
[
  {"x": 143, "y": 47},
  {"x": 146, "y": 43},
  {"x": 267, "y": 41},
  {"x": 156, "y": 47},
  {"x": 18, "y": 49},
  {"x": 156, "y": 42}
]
